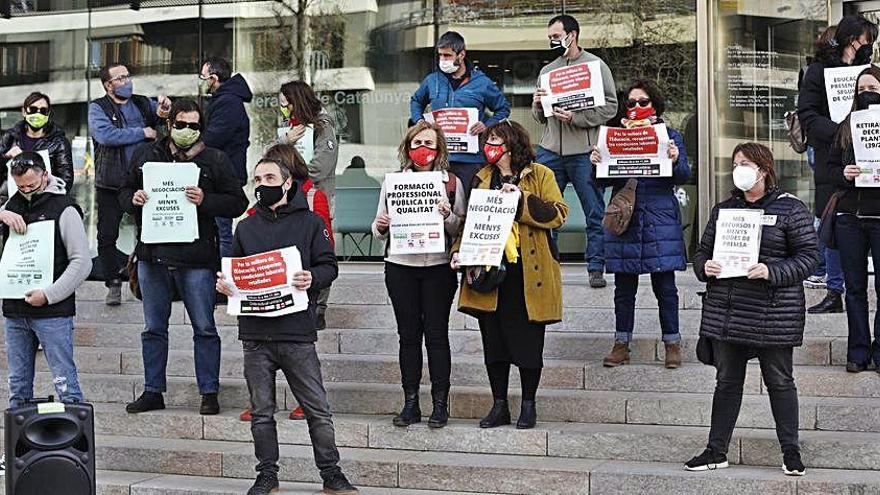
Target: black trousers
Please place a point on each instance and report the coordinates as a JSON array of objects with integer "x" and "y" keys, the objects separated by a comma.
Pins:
[
  {"x": 421, "y": 298},
  {"x": 109, "y": 217},
  {"x": 776, "y": 371}
]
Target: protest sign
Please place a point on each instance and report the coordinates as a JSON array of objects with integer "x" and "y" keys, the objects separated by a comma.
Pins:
[
  {"x": 840, "y": 87},
  {"x": 737, "y": 240},
  {"x": 306, "y": 144},
  {"x": 262, "y": 283},
  {"x": 456, "y": 124},
  {"x": 487, "y": 226},
  {"x": 416, "y": 223},
  {"x": 636, "y": 152},
  {"x": 11, "y": 187},
  {"x": 167, "y": 215},
  {"x": 865, "y": 131},
  {"x": 573, "y": 88},
  {"x": 28, "y": 260}
]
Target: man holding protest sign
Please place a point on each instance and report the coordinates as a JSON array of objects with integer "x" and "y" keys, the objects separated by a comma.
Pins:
[
  {"x": 285, "y": 340},
  {"x": 583, "y": 97},
  {"x": 173, "y": 265}
]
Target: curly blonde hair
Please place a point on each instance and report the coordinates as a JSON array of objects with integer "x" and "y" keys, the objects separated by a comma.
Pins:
[{"x": 440, "y": 163}]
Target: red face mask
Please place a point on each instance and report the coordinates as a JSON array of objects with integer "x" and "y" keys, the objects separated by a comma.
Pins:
[
  {"x": 493, "y": 152},
  {"x": 640, "y": 113},
  {"x": 293, "y": 122},
  {"x": 422, "y": 156}
]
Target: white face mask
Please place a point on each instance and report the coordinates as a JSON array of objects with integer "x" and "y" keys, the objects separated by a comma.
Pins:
[
  {"x": 744, "y": 178},
  {"x": 448, "y": 66}
]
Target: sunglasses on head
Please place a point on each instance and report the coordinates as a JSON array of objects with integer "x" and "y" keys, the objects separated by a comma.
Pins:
[
  {"x": 644, "y": 102},
  {"x": 183, "y": 125},
  {"x": 32, "y": 110}
]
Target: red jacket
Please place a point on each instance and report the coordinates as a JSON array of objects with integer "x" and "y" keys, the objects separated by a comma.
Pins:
[{"x": 320, "y": 207}]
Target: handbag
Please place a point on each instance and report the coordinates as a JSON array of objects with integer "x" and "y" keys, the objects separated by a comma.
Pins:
[
  {"x": 620, "y": 209},
  {"x": 828, "y": 220},
  {"x": 705, "y": 353},
  {"x": 486, "y": 279},
  {"x": 133, "y": 285}
]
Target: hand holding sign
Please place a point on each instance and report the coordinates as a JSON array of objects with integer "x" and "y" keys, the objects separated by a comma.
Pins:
[
  {"x": 35, "y": 298},
  {"x": 302, "y": 280},
  {"x": 759, "y": 272},
  {"x": 14, "y": 221},
  {"x": 712, "y": 268},
  {"x": 851, "y": 172},
  {"x": 139, "y": 198},
  {"x": 222, "y": 286}
]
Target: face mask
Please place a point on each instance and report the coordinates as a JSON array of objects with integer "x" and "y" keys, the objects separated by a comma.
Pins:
[
  {"x": 493, "y": 152},
  {"x": 269, "y": 196},
  {"x": 285, "y": 112},
  {"x": 36, "y": 120},
  {"x": 30, "y": 195},
  {"x": 558, "y": 48},
  {"x": 184, "y": 138},
  {"x": 867, "y": 98},
  {"x": 125, "y": 91},
  {"x": 640, "y": 113},
  {"x": 864, "y": 52},
  {"x": 745, "y": 178},
  {"x": 448, "y": 66},
  {"x": 205, "y": 85},
  {"x": 422, "y": 156}
]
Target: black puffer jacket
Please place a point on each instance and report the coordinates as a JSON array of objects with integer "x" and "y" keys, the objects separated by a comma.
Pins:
[
  {"x": 864, "y": 201},
  {"x": 55, "y": 142},
  {"x": 763, "y": 313}
]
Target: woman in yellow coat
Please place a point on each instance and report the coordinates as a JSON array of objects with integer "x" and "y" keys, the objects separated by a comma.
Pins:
[{"x": 514, "y": 314}]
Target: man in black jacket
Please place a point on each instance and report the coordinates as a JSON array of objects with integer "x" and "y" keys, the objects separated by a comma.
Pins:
[
  {"x": 184, "y": 269},
  {"x": 287, "y": 343}
]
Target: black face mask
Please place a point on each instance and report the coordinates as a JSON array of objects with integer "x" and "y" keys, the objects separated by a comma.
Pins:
[
  {"x": 269, "y": 196},
  {"x": 867, "y": 98},
  {"x": 863, "y": 54},
  {"x": 558, "y": 48}
]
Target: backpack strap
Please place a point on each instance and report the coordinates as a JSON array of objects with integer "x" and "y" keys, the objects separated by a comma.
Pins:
[{"x": 310, "y": 197}]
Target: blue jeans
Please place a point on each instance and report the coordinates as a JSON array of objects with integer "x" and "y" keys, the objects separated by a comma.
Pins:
[
  {"x": 829, "y": 266},
  {"x": 196, "y": 287},
  {"x": 224, "y": 234},
  {"x": 578, "y": 170},
  {"x": 22, "y": 337},
  {"x": 855, "y": 236},
  {"x": 625, "y": 287}
]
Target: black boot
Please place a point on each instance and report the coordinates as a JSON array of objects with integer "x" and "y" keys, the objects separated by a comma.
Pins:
[
  {"x": 528, "y": 416},
  {"x": 148, "y": 401},
  {"x": 499, "y": 415},
  {"x": 833, "y": 303},
  {"x": 410, "y": 414},
  {"x": 440, "y": 415}
]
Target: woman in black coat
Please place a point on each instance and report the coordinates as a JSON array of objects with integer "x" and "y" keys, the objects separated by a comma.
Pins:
[
  {"x": 36, "y": 132},
  {"x": 759, "y": 315}
]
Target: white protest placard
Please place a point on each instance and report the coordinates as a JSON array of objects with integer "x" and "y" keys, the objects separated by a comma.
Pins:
[
  {"x": 28, "y": 260},
  {"x": 262, "y": 283},
  {"x": 11, "y": 186},
  {"x": 737, "y": 240},
  {"x": 167, "y": 215},
  {"x": 636, "y": 152},
  {"x": 306, "y": 144},
  {"x": 416, "y": 222},
  {"x": 840, "y": 87},
  {"x": 573, "y": 88},
  {"x": 456, "y": 124},
  {"x": 865, "y": 131},
  {"x": 487, "y": 226}
]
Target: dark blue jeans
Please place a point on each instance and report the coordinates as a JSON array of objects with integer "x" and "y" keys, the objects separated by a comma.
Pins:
[
  {"x": 196, "y": 287},
  {"x": 224, "y": 234},
  {"x": 578, "y": 170},
  {"x": 625, "y": 287},
  {"x": 829, "y": 266},
  {"x": 855, "y": 237},
  {"x": 56, "y": 335}
]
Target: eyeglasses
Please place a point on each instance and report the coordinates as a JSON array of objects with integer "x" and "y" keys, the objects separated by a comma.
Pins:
[
  {"x": 122, "y": 78},
  {"x": 32, "y": 110},
  {"x": 183, "y": 125},
  {"x": 644, "y": 102}
]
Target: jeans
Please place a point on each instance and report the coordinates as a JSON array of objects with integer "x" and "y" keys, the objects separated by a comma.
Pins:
[
  {"x": 224, "y": 235},
  {"x": 855, "y": 237},
  {"x": 109, "y": 217},
  {"x": 776, "y": 372},
  {"x": 578, "y": 170},
  {"x": 56, "y": 335},
  {"x": 829, "y": 266},
  {"x": 465, "y": 172},
  {"x": 196, "y": 287},
  {"x": 300, "y": 365},
  {"x": 421, "y": 298},
  {"x": 625, "y": 287}
]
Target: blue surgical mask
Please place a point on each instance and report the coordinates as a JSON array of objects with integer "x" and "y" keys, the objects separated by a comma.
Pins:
[{"x": 125, "y": 91}]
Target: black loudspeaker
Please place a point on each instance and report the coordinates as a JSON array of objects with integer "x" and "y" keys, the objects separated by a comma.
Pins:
[{"x": 50, "y": 448}]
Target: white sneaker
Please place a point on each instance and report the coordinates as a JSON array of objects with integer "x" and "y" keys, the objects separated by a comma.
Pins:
[
  {"x": 815, "y": 282},
  {"x": 2, "y": 464}
]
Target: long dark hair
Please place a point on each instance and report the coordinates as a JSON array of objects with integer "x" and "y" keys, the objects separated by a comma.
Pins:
[
  {"x": 286, "y": 155},
  {"x": 516, "y": 140},
  {"x": 305, "y": 105},
  {"x": 653, "y": 91},
  {"x": 849, "y": 29},
  {"x": 844, "y": 135}
]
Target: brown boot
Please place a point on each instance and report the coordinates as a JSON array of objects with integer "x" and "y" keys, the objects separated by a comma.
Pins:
[
  {"x": 619, "y": 355},
  {"x": 673, "y": 355}
]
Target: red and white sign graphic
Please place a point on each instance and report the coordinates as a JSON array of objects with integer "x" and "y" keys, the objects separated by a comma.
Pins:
[
  {"x": 634, "y": 152},
  {"x": 573, "y": 88},
  {"x": 456, "y": 124},
  {"x": 262, "y": 283}
]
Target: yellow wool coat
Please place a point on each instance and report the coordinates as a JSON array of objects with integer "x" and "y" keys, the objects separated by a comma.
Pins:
[{"x": 541, "y": 208}]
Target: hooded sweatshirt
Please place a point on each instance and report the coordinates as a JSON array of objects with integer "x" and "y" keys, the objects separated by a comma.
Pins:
[{"x": 228, "y": 126}]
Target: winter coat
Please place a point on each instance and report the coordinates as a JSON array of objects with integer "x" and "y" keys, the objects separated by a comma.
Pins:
[
  {"x": 762, "y": 313},
  {"x": 541, "y": 209},
  {"x": 654, "y": 241},
  {"x": 478, "y": 92},
  {"x": 117, "y": 131},
  {"x": 54, "y": 142},
  {"x": 862, "y": 201},
  {"x": 228, "y": 127}
]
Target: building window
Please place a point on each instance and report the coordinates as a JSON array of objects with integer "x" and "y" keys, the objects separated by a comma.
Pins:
[{"x": 24, "y": 63}]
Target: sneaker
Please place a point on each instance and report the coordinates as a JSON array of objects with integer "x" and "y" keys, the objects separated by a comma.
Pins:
[
  {"x": 852, "y": 367},
  {"x": 267, "y": 482},
  {"x": 321, "y": 323},
  {"x": 792, "y": 465},
  {"x": 337, "y": 484},
  {"x": 114, "y": 295},
  {"x": 815, "y": 282},
  {"x": 246, "y": 416},
  {"x": 210, "y": 405},
  {"x": 597, "y": 280},
  {"x": 297, "y": 414},
  {"x": 148, "y": 401},
  {"x": 2, "y": 464},
  {"x": 707, "y": 461}
]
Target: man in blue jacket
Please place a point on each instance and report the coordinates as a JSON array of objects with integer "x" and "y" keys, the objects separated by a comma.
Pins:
[
  {"x": 456, "y": 83},
  {"x": 228, "y": 127}
]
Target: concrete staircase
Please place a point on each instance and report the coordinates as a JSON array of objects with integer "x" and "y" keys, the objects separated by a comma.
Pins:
[{"x": 600, "y": 431}]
